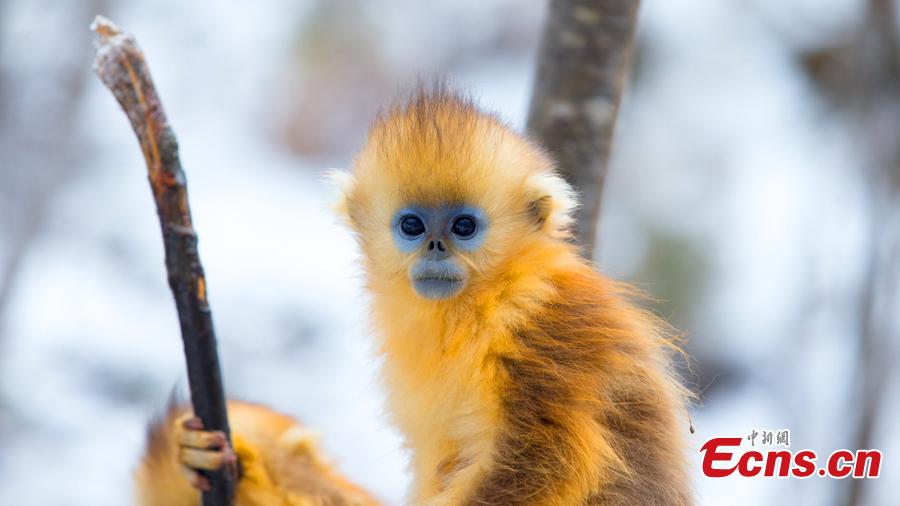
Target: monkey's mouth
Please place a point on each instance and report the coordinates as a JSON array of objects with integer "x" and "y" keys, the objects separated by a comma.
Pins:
[
  {"x": 437, "y": 281},
  {"x": 437, "y": 287}
]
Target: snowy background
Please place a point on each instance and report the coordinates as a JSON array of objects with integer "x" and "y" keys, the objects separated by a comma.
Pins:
[{"x": 752, "y": 192}]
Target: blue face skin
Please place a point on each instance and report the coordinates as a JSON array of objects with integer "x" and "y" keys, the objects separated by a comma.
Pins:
[{"x": 434, "y": 234}]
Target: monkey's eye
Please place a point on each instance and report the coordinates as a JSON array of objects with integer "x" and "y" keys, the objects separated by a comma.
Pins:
[
  {"x": 464, "y": 227},
  {"x": 411, "y": 226}
]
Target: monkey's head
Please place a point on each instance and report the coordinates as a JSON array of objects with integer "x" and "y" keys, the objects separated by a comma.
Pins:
[{"x": 443, "y": 197}]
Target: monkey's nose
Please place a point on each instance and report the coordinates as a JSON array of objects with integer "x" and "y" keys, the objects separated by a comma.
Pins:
[{"x": 436, "y": 250}]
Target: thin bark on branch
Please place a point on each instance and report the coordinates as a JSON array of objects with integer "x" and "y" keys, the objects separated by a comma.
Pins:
[
  {"x": 120, "y": 65},
  {"x": 584, "y": 54}
]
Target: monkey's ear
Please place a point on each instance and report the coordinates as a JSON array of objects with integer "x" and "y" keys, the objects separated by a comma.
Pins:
[
  {"x": 539, "y": 209},
  {"x": 344, "y": 182},
  {"x": 550, "y": 202}
]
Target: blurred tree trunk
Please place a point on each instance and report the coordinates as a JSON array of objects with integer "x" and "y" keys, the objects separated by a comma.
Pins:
[
  {"x": 583, "y": 58},
  {"x": 877, "y": 102},
  {"x": 863, "y": 78},
  {"x": 38, "y": 153}
]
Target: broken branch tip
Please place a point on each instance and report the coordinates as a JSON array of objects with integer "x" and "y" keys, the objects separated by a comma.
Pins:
[{"x": 104, "y": 27}]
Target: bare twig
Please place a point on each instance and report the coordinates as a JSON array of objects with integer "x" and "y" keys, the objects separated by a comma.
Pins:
[
  {"x": 121, "y": 66},
  {"x": 584, "y": 54}
]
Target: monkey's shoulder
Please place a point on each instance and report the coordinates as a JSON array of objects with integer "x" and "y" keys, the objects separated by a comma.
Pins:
[{"x": 587, "y": 315}]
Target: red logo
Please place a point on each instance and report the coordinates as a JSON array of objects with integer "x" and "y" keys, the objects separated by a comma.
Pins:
[{"x": 721, "y": 459}]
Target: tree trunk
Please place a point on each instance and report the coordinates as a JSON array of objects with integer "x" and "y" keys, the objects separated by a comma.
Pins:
[{"x": 584, "y": 55}]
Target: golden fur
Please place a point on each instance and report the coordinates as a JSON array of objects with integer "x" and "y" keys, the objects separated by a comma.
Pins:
[
  {"x": 281, "y": 465},
  {"x": 538, "y": 384}
]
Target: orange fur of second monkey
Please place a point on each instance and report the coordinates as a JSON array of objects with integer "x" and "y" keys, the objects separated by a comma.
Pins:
[{"x": 539, "y": 383}]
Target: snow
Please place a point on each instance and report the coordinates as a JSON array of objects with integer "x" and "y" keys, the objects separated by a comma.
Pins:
[{"x": 720, "y": 141}]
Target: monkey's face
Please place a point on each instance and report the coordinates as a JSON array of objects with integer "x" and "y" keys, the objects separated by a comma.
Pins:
[
  {"x": 437, "y": 237},
  {"x": 444, "y": 199}
]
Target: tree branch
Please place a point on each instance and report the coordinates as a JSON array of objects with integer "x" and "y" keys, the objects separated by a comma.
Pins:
[
  {"x": 584, "y": 54},
  {"x": 120, "y": 65}
]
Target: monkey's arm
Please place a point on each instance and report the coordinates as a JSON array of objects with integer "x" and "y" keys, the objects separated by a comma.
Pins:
[
  {"x": 549, "y": 450},
  {"x": 280, "y": 464}
]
